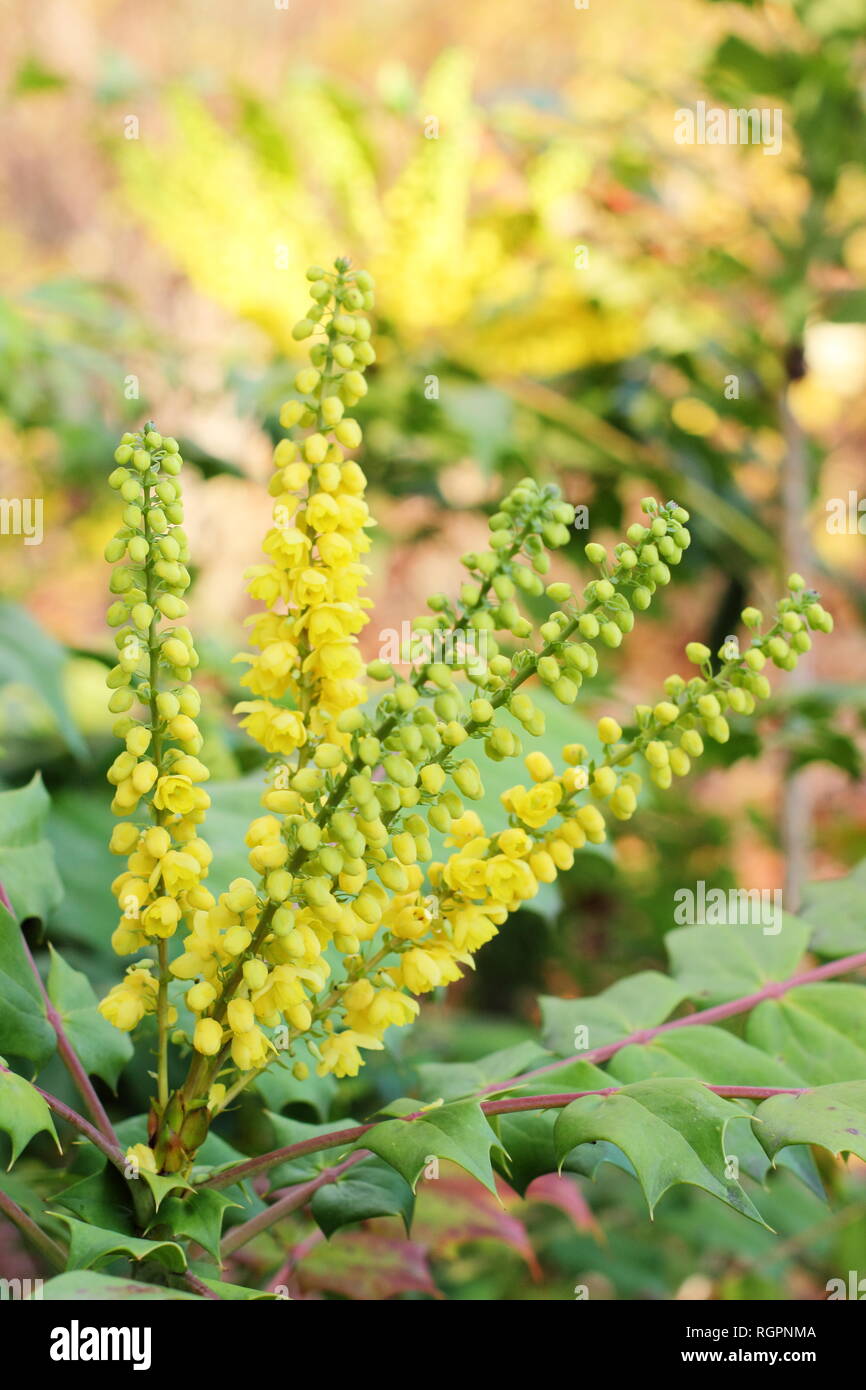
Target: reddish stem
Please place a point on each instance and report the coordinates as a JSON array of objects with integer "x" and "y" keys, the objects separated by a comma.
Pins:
[
  {"x": 70, "y": 1057},
  {"x": 510, "y": 1104},
  {"x": 293, "y": 1198},
  {"x": 113, "y": 1152},
  {"x": 772, "y": 990}
]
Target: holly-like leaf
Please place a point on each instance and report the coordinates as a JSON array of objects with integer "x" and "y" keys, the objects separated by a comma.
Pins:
[
  {"x": 199, "y": 1217},
  {"x": 23, "y": 1113},
  {"x": 459, "y": 1132},
  {"x": 103, "y": 1050},
  {"x": 102, "y": 1199},
  {"x": 92, "y": 1245},
  {"x": 278, "y": 1087},
  {"x": 368, "y": 1189},
  {"x": 451, "y": 1080},
  {"x": 161, "y": 1186},
  {"x": 27, "y": 869},
  {"x": 707, "y": 1054},
  {"x": 670, "y": 1131},
  {"x": 24, "y": 1027},
  {"x": 640, "y": 1001},
  {"x": 833, "y": 1117},
  {"x": 89, "y": 1286},
  {"x": 713, "y": 964},
  {"x": 288, "y": 1131},
  {"x": 817, "y": 1031},
  {"x": 835, "y": 910}
]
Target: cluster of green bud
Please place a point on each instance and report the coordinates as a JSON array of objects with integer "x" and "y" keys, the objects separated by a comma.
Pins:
[
  {"x": 418, "y": 731},
  {"x": 669, "y": 735},
  {"x": 151, "y": 586},
  {"x": 337, "y": 303}
]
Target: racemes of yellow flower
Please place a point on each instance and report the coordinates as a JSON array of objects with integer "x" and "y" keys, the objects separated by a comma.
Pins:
[{"x": 157, "y": 777}]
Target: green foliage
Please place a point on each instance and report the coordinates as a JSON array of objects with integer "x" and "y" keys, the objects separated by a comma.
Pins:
[{"x": 23, "y": 1112}]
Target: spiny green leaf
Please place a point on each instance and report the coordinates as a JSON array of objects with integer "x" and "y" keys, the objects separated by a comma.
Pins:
[
  {"x": 27, "y": 869},
  {"x": 103, "y": 1049},
  {"x": 833, "y": 1117},
  {"x": 288, "y": 1131},
  {"x": 102, "y": 1199},
  {"x": 23, "y": 1112},
  {"x": 707, "y": 1054},
  {"x": 836, "y": 912},
  {"x": 714, "y": 964},
  {"x": 199, "y": 1217},
  {"x": 369, "y": 1189},
  {"x": 24, "y": 1027},
  {"x": 91, "y": 1245},
  {"x": 818, "y": 1031},
  {"x": 671, "y": 1132},
  {"x": 89, "y": 1286},
  {"x": 161, "y": 1186},
  {"x": 451, "y": 1080},
  {"x": 459, "y": 1131},
  {"x": 279, "y": 1088},
  {"x": 641, "y": 1001}
]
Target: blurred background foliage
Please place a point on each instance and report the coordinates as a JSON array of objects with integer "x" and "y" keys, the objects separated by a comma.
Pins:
[{"x": 563, "y": 290}]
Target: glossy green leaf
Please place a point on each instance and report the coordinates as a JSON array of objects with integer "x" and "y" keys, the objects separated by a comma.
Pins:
[
  {"x": 833, "y": 1117},
  {"x": 23, "y": 1113},
  {"x": 24, "y": 1028},
  {"x": 27, "y": 869},
  {"x": 92, "y": 1245},
  {"x": 818, "y": 1031},
  {"x": 451, "y": 1080},
  {"x": 836, "y": 911},
  {"x": 707, "y": 1054},
  {"x": 459, "y": 1131},
  {"x": 371, "y": 1188},
  {"x": 198, "y": 1216},
  {"x": 89, "y": 1286},
  {"x": 671, "y": 1132},
  {"x": 640, "y": 1001},
  {"x": 714, "y": 964},
  {"x": 103, "y": 1049}
]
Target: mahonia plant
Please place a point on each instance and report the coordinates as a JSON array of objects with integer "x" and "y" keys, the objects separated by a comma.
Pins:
[{"x": 347, "y": 918}]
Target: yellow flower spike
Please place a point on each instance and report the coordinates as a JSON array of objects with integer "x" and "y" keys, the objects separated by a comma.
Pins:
[{"x": 342, "y": 878}]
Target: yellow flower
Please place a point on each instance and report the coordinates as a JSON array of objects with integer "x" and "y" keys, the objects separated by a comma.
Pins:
[
  {"x": 277, "y": 730},
  {"x": 467, "y": 873},
  {"x": 534, "y": 805},
  {"x": 419, "y": 970},
  {"x": 175, "y": 793},
  {"x": 510, "y": 880},
  {"x": 161, "y": 917},
  {"x": 267, "y": 584},
  {"x": 208, "y": 1037},
  {"x": 341, "y": 1052},
  {"x": 142, "y": 1157}
]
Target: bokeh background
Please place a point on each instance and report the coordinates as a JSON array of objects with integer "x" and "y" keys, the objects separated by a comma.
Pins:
[{"x": 563, "y": 290}]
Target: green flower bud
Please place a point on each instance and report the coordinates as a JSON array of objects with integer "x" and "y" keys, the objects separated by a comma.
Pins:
[{"x": 697, "y": 653}]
